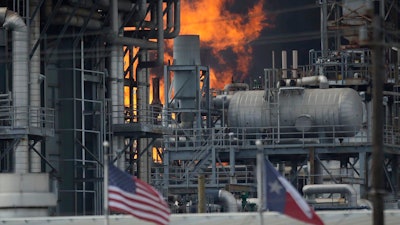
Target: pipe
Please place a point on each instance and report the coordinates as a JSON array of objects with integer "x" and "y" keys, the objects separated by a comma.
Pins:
[
  {"x": 20, "y": 64},
  {"x": 222, "y": 101},
  {"x": 78, "y": 21},
  {"x": 236, "y": 87},
  {"x": 320, "y": 80},
  {"x": 284, "y": 65},
  {"x": 167, "y": 33},
  {"x": 123, "y": 5},
  {"x": 294, "y": 63},
  {"x": 128, "y": 41},
  {"x": 141, "y": 10},
  {"x": 225, "y": 197},
  {"x": 160, "y": 40},
  {"x": 65, "y": 9},
  {"x": 35, "y": 82},
  {"x": 332, "y": 188},
  {"x": 116, "y": 80},
  {"x": 74, "y": 17},
  {"x": 177, "y": 21}
]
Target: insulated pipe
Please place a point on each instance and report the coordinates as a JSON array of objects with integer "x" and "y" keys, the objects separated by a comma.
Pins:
[
  {"x": 117, "y": 82},
  {"x": 128, "y": 41},
  {"x": 332, "y": 188},
  {"x": 236, "y": 87},
  {"x": 225, "y": 197},
  {"x": 284, "y": 65},
  {"x": 320, "y": 80},
  {"x": 35, "y": 83},
  {"x": 294, "y": 63},
  {"x": 222, "y": 101},
  {"x": 20, "y": 64}
]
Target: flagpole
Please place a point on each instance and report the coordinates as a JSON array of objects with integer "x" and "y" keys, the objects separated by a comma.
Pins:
[
  {"x": 105, "y": 182},
  {"x": 260, "y": 179}
]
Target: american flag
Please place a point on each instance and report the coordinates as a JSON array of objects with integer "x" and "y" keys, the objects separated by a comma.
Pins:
[{"x": 128, "y": 194}]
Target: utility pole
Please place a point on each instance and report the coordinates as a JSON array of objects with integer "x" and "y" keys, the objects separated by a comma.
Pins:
[{"x": 377, "y": 190}]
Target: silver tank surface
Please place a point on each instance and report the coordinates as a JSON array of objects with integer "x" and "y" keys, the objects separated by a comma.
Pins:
[{"x": 298, "y": 108}]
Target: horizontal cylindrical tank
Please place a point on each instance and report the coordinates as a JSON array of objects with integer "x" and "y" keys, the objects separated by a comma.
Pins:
[{"x": 297, "y": 109}]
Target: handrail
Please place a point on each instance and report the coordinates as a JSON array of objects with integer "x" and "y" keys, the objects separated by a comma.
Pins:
[{"x": 27, "y": 117}]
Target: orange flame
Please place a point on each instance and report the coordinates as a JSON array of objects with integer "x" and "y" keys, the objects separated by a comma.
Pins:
[{"x": 224, "y": 32}]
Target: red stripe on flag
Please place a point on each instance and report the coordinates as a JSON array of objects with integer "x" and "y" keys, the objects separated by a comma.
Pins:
[
  {"x": 292, "y": 209},
  {"x": 146, "y": 204}
]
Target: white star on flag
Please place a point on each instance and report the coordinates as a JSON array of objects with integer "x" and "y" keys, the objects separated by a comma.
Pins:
[{"x": 275, "y": 187}]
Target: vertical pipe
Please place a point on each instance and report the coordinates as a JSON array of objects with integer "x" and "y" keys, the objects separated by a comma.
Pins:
[
  {"x": 83, "y": 153},
  {"x": 35, "y": 82},
  {"x": 117, "y": 97},
  {"x": 284, "y": 65},
  {"x": 142, "y": 75},
  {"x": 232, "y": 160},
  {"x": 261, "y": 180},
  {"x": 105, "y": 181},
  {"x": 324, "y": 28},
  {"x": 378, "y": 190},
  {"x": 201, "y": 207},
  {"x": 20, "y": 65},
  {"x": 312, "y": 165},
  {"x": 294, "y": 63},
  {"x": 363, "y": 174}
]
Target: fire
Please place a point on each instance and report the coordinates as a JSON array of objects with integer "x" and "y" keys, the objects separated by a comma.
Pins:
[{"x": 227, "y": 34}]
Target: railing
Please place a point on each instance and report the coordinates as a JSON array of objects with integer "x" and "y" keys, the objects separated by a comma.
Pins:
[
  {"x": 153, "y": 116},
  {"x": 271, "y": 137},
  {"x": 391, "y": 135},
  {"x": 227, "y": 139},
  {"x": 223, "y": 137},
  {"x": 244, "y": 174},
  {"x": 27, "y": 117}
]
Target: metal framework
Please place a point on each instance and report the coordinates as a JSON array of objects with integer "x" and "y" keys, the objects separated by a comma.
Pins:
[{"x": 80, "y": 47}]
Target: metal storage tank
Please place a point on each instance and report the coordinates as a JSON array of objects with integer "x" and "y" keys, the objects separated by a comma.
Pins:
[{"x": 299, "y": 109}]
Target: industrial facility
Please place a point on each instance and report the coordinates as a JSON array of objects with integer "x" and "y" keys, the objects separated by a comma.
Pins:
[{"x": 76, "y": 75}]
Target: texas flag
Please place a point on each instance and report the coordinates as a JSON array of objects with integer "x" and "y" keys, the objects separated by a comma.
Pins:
[{"x": 281, "y": 196}]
